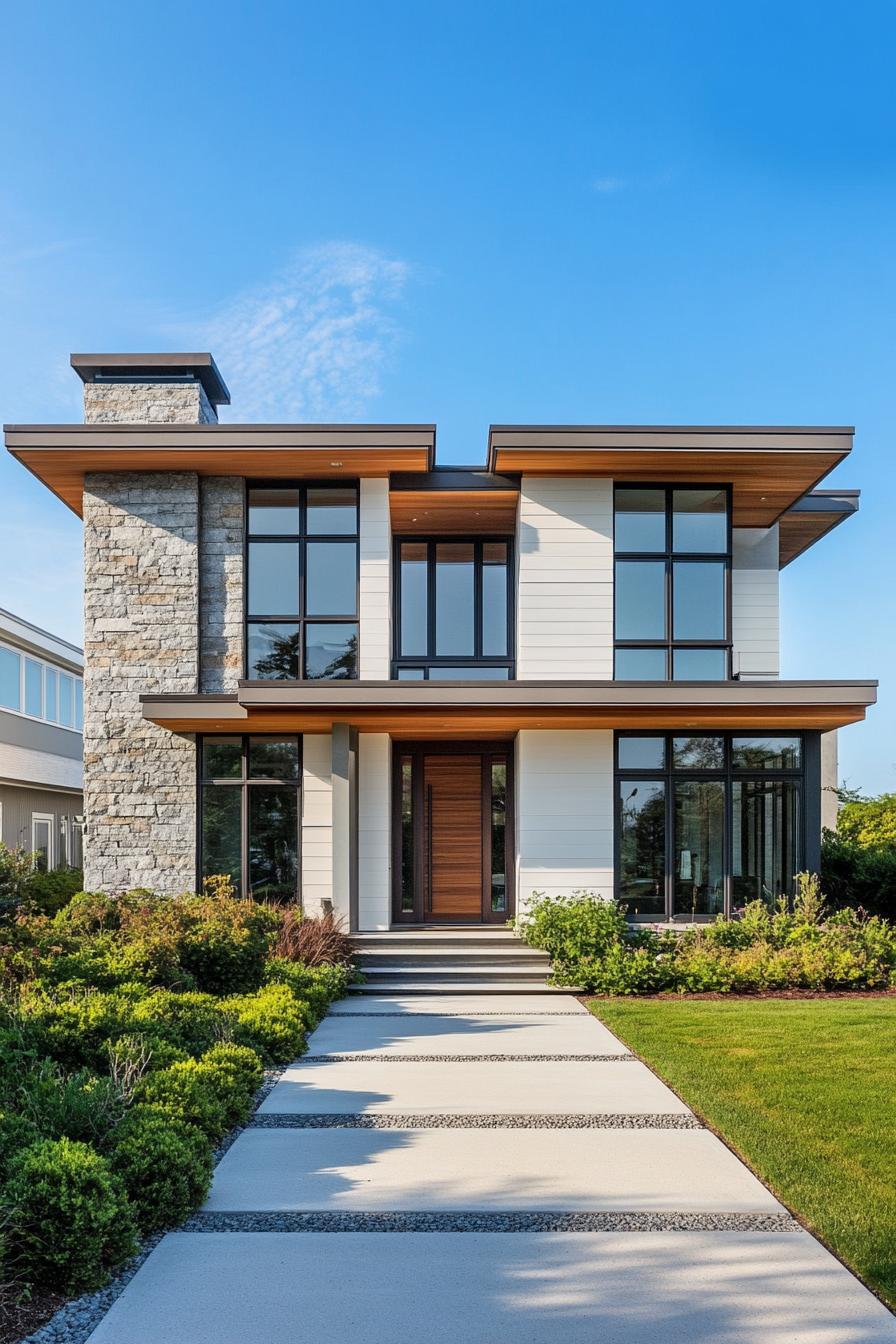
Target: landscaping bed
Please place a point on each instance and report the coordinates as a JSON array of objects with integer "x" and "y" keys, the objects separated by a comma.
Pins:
[
  {"x": 803, "y": 1091},
  {"x": 134, "y": 1035}
]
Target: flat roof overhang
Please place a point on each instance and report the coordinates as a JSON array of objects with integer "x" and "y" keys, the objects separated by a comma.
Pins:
[
  {"x": 61, "y": 455},
  {"x": 769, "y": 467},
  {"x": 462, "y": 709},
  {"x": 811, "y": 518},
  {"x": 460, "y": 500}
]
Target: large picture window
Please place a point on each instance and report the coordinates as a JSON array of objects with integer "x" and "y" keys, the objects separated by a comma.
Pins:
[
  {"x": 249, "y": 810},
  {"x": 302, "y": 583},
  {"x": 672, "y": 580},
  {"x": 706, "y": 822},
  {"x": 453, "y": 610}
]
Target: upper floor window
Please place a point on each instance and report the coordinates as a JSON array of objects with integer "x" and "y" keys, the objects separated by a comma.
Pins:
[
  {"x": 453, "y": 617},
  {"x": 40, "y": 691},
  {"x": 302, "y": 583},
  {"x": 672, "y": 583}
]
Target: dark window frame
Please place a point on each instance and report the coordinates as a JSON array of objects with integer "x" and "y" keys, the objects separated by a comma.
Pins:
[
  {"x": 668, "y": 557},
  {"x": 430, "y": 662},
  {"x": 244, "y": 784},
  {"x": 302, "y": 539},
  {"x": 804, "y": 777}
]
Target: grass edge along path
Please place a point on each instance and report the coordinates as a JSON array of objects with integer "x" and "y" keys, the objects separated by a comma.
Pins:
[{"x": 803, "y": 1091}]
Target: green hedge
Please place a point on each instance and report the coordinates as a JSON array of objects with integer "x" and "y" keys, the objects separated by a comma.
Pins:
[
  {"x": 134, "y": 1031},
  {"x": 786, "y": 947}
]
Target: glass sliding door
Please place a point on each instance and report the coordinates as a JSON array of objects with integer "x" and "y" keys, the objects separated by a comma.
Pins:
[
  {"x": 765, "y": 819},
  {"x": 642, "y": 846}
]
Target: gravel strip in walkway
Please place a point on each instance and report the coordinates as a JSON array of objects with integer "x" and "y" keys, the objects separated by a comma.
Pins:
[
  {"x": 298, "y": 1221},
  {"x": 336, "y": 1120},
  {"x": 379, "y": 1058}
]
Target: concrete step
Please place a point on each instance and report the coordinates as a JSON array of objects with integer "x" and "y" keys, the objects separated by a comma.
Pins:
[
  {"x": 480, "y": 970},
  {"x": 426, "y": 985},
  {"x": 426, "y": 956}
]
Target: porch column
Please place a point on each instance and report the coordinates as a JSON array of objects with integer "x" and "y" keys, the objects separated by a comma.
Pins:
[{"x": 345, "y": 822}]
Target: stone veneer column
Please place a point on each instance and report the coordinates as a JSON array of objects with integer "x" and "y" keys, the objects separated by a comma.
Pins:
[
  {"x": 141, "y": 635},
  {"x": 221, "y": 582},
  {"x": 147, "y": 403}
]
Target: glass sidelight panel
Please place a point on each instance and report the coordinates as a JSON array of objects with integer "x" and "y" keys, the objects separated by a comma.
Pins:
[
  {"x": 699, "y": 847},
  {"x": 765, "y": 828},
  {"x": 642, "y": 845},
  {"x": 499, "y": 836},
  {"x": 455, "y": 599},
  {"x": 273, "y": 843},
  {"x": 407, "y": 835}
]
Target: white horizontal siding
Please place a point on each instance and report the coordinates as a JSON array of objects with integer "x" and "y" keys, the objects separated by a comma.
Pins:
[
  {"x": 565, "y": 579},
  {"x": 374, "y": 831},
  {"x": 27, "y": 766},
  {"x": 374, "y": 590},
  {"x": 317, "y": 821},
  {"x": 755, "y": 602},
  {"x": 564, "y": 802}
]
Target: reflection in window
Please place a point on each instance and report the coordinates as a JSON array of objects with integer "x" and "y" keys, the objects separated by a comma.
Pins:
[
  {"x": 300, "y": 566},
  {"x": 699, "y": 664},
  {"x": 699, "y": 840},
  {"x": 640, "y": 520},
  {"x": 698, "y": 600},
  {"x": 33, "y": 688},
  {"x": 454, "y": 610},
  {"x": 640, "y": 599},
  {"x": 641, "y": 664},
  {"x": 250, "y": 814},
  {"x": 706, "y": 821},
  {"x": 642, "y": 846},
  {"x": 764, "y": 826},
  {"x": 700, "y": 521},
  {"x": 10, "y": 674}
]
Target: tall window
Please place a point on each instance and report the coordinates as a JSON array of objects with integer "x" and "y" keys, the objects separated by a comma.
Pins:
[
  {"x": 706, "y": 822},
  {"x": 453, "y": 610},
  {"x": 302, "y": 587},
  {"x": 673, "y": 562},
  {"x": 250, "y": 814}
]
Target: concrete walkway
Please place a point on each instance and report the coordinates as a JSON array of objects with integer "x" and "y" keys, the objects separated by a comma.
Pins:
[{"x": 485, "y": 1171}]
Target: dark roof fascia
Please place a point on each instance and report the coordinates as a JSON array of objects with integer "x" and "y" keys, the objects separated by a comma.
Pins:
[
  {"x": 201, "y": 366},
  {"x": 453, "y": 478},
  {"x": 837, "y": 505}
]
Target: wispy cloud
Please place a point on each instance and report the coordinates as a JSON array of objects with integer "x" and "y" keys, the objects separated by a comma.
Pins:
[
  {"x": 608, "y": 186},
  {"x": 38, "y": 252},
  {"x": 311, "y": 343}
]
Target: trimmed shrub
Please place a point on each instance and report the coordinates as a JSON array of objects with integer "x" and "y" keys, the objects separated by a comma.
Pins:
[
  {"x": 272, "y": 1021},
  {"x": 69, "y": 1220},
  {"x": 226, "y": 942},
  {"x": 318, "y": 986},
  {"x": 190, "y": 1094},
  {"x": 165, "y": 1165},
  {"x": 237, "y": 1073},
  {"x": 79, "y": 1106},
  {"x": 16, "y": 1133},
  {"x": 49, "y": 892}
]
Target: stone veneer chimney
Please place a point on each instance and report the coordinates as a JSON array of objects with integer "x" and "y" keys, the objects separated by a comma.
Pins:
[
  {"x": 153, "y": 389},
  {"x": 162, "y": 613}
]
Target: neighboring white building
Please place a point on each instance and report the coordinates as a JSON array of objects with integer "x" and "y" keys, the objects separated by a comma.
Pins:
[
  {"x": 41, "y": 753},
  {"x": 320, "y": 663}
]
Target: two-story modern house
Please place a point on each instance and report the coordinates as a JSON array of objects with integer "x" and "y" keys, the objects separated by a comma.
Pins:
[
  {"x": 323, "y": 665},
  {"x": 41, "y": 710}
]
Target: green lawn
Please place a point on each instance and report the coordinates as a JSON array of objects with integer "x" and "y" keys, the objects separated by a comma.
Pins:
[{"x": 804, "y": 1090}]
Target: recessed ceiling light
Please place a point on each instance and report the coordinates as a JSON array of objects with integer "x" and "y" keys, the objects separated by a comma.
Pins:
[{"x": 335, "y": 464}]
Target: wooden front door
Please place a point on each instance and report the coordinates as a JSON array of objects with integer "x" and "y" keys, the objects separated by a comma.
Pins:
[{"x": 453, "y": 836}]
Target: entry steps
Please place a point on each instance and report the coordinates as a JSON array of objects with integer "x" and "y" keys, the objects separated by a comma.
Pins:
[{"x": 450, "y": 960}]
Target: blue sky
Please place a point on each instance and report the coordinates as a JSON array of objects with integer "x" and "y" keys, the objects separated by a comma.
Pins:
[{"x": 469, "y": 212}]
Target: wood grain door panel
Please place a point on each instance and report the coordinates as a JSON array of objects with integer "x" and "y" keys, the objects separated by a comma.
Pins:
[{"x": 452, "y": 791}]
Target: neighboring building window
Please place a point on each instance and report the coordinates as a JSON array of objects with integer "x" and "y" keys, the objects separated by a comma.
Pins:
[
  {"x": 706, "y": 822},
  {"x": 250, "y": 814},
  {"x": 453, "y": 617},
  {"x": 35, "y": 688},
  {"x": 672, "y": 581},
  {"x": 302, "y": 583},
  {"x": 42, "y": 834}
]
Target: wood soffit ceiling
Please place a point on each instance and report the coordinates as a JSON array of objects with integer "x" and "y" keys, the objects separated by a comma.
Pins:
[{"x": 769, "y": 468}]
